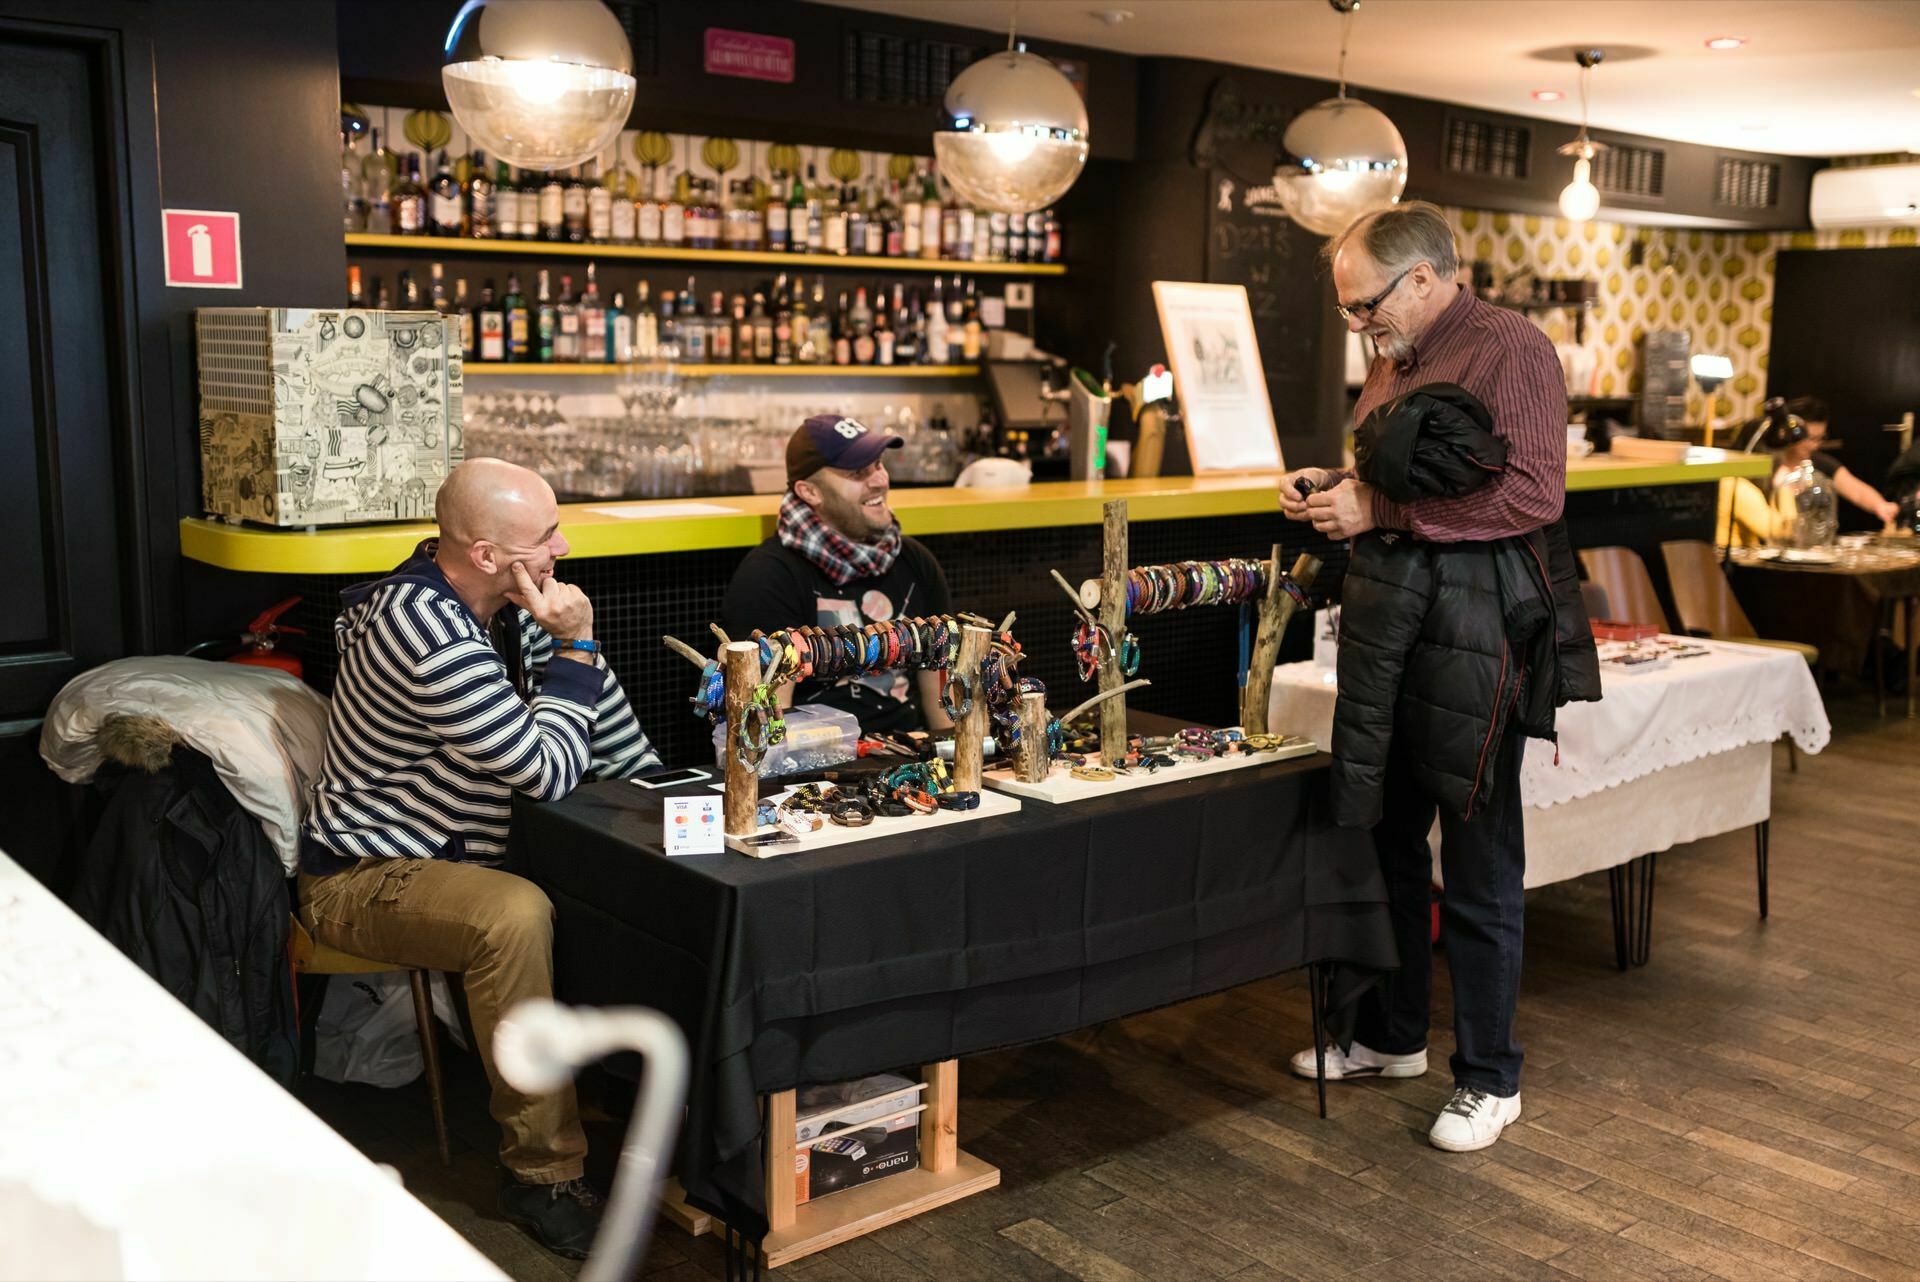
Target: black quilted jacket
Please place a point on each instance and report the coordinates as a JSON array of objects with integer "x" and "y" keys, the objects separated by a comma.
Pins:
[{"x": 1448, "y": 645}]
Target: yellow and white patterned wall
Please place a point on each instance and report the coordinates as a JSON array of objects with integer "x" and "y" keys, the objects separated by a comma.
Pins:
[{"x": 1716, "y": 285}]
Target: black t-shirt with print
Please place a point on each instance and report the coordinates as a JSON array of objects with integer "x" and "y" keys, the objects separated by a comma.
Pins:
[{"x": 776, "y": 587}]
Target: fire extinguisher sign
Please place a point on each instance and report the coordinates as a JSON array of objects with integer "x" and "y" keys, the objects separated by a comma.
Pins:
[{"x": 202, "y": 248}]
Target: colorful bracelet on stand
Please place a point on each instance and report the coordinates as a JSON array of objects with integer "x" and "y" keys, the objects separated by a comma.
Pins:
[{"x": 1154, "y": 589}]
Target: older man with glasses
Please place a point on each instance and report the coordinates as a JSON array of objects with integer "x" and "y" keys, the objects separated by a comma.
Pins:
[{"x": 1394, "y": 272}]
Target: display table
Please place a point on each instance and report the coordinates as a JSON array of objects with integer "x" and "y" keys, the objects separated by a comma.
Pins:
[
  {"x": 1665, "y": 758},
  {"x": 135, "y": 1142},
  {"x": 918, "y": 949}
]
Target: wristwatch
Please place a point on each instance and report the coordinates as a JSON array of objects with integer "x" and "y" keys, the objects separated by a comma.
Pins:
[{"x": 584, "y": 647}]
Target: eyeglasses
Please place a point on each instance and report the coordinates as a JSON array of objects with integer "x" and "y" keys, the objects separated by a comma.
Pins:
[{"x": 1362, "y": 311}]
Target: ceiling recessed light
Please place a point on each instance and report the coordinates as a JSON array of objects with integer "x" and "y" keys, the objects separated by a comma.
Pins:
[
  {"x": 1554, "y": 95},
  {"x": 1726, "y": 42}
]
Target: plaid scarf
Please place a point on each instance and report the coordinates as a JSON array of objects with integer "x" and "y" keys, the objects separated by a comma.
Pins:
[{"x": 839, "y": 558}]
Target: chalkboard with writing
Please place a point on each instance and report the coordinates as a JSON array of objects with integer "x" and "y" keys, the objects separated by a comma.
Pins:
[{"x": 1251, "y": 242}]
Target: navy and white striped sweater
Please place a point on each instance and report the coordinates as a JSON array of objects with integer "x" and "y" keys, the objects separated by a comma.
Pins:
[{"x": 428, "y": 738}]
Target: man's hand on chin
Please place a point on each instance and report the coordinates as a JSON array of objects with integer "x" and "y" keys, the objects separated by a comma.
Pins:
[{"x": 1343, "y": 512}]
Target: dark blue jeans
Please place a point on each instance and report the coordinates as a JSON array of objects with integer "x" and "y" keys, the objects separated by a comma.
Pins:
[{"x": 1483, "y": 860}]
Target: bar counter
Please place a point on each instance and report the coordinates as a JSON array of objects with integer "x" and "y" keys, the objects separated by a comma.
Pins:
[{"x": 615, "y": 528}]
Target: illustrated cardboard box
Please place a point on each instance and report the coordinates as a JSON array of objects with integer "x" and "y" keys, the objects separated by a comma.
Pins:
[{"x": 314, "y": 416}]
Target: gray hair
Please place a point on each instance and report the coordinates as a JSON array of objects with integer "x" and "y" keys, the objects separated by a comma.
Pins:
[{"x": 1401, "y": 235}]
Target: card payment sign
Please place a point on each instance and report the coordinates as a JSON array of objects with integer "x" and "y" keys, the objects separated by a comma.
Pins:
[
  {"x": 202, "y": 248},
  {"x": 694, "y": 825}
]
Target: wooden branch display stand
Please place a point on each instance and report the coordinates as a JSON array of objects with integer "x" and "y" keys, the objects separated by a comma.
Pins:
[
  {"x": 1276, "y": 610},
  {"x": 794, "y": 1230}
]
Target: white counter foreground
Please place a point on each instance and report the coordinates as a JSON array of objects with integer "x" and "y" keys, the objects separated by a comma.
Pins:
[{"x": 136, "y": 1143}]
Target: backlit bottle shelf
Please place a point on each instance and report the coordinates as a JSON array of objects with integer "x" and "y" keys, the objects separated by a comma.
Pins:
[
  {"x": 491, "y": 368},
  {"x": 427, "y": 245}
]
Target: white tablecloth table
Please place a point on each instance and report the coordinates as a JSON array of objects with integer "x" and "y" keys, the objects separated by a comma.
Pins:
[
  {"x": 136, "y": 1143},
  {"x": 1664, "y": 758}
]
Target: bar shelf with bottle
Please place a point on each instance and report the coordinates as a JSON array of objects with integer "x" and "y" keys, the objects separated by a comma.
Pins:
[
  {"x": 487, "y": 368},
  {"x": 716, "y": 257}
]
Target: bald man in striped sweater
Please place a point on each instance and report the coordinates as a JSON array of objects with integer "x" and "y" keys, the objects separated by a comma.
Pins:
[{"x": 468, "y": 674}]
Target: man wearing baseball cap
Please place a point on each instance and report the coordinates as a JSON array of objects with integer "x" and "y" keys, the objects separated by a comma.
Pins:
[{"x": 838, "y": 557}]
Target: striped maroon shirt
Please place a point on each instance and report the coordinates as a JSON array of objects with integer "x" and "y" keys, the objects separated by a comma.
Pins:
[{"x": 1503, "y": 359}]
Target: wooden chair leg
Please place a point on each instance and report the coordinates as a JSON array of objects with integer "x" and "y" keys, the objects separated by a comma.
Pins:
[
  {"x": 1793, "y": 756},
  {"x": 430, "y": 1053}
]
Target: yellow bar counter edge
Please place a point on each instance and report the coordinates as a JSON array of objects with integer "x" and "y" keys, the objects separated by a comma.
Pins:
[{"x": 617, "y": 528}]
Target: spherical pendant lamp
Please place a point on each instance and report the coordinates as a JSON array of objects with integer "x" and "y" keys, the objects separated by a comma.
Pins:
[
  {"x": 1339, "y": 158},
  {"x": 1016, "y": 133},
  {"x": 1580, "y": 199},
  {"x": 541, "y": 84}
]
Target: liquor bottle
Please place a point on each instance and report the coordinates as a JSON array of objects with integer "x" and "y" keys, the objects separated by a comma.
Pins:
[
  {"x": 997, "y": 236},
  {"x": 762, "y": 330},
  {"x": 719, "y": 330},
  {"x": 376, "y": 177},
  {"x": 937, "y": 349},
  {"x": 982, "y": 238},
  {"x": 1036, "y": 236},
  {"x": 409, "y": 292},
  {"x": 410, "y": 200},
  {"x": 736, "y": 219},
  {"x": 820, "y": 326},
  {"x": 437, "y": 290},
  {"x": 532, "y": 188},
  {"x": 856, "y": 220},
  {"x": 776, "y": 216},
  {"x": 673, "y": 214},
  {"x": 650, "y": 210},
  {"x": 842, "y": 333},
  {"x": 622, "y": 217},
  {"x": 492, "y": 327},
  {"x": 355, "y": 298},
  {"x": 573, "y": 207},
  {"x": 800, "y": 326},
  {"x": 513, "y": 310},
  {"x": 382, "y": 300},
  {"x": 833, "y": 215},
  {"x": 667, "y": 333},
  {"x": 906, "y": 343},
  {"x": 693, "y": 328},
  {"x": 895, "y": 240},
  {"x": 444, "y": 212},
  {"x": 593, "y": 321},
  {"x": 479, "y": 199},
  {"x": 956, "y": 305},
  {"x": 970, "y": 327},
  {"x": 742, "y": 332},
  {"x": 506, "y": 203},
  {"x": 932, "y": 217},
  {"x": 816, "y": 215},
  {"x": 353, "y": 194},
  {"x": 876, "y": 206},
  {"x": 464, "y": 311},
  {"x": 860, "y": 322},
  {"x": 599, "y": 205},
  {"x": 553, "y": 207},
  {"x": 950, "y": 232},
  {"x": 883, "y": 339},
  {"x": 546, "y": 322},
  {"x": 782, "y": 321},
  {"x": 964, "y": 225},
  {"x": 798, "y": 219},
  {"x": 646, "y": 326},
  {"x": 1052, "y": 246},
  {"x": 715, "y": 214},
  {"x": 619, "y": 331},
  {"x": 566, "y": 324},
  {"x": 910, "y": 219}
]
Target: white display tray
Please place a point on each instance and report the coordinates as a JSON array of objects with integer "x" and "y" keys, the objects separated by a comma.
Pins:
[
  {"x": 1061, "y": 788},
  {"x": 833, "y": 834}
]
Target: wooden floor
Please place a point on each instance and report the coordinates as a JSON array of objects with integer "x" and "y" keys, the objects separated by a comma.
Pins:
[{"x": 1747, "y": 1107}]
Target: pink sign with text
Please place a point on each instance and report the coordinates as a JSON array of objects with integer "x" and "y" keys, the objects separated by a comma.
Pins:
[
  {"x": 749, "y": 55},
  {"x": 202, "y": 248}
]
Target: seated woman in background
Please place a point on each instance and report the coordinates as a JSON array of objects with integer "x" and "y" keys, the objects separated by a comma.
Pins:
[{"x": 1792, "y": 431}]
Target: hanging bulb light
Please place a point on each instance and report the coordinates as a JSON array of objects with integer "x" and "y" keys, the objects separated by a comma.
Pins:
[
  {"x": 1580, "y": 199},
  {"x": 1016, "y": 132},
  {"x": 540, "y": 84},
  {"x": 1339, "y": 158}
]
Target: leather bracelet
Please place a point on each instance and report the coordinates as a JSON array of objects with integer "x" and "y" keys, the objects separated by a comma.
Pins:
[
  {"x": 960, "y": 801},
  {"x": 1092, "y": 774},
  {"x": 957, "y": 706},
  {"x": 851, "y": 813}
]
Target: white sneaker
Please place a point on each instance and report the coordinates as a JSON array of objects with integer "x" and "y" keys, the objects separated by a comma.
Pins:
[
  {"x": 1473, "y": 1120},
  {"x": 1359, "y": 1061}
]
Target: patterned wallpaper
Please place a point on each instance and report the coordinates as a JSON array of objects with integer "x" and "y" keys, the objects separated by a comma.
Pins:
[{"x": 1716, "y": 285}]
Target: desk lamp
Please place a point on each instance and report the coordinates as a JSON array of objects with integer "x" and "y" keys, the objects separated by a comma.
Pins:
[{"x": 1710, "y": 372}]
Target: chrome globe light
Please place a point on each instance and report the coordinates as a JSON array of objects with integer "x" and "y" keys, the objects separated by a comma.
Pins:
[
  {"x": 541, "y": 84},
  {"x": 1016, "y": 133},
  {"x": 1339, "y": 159}
]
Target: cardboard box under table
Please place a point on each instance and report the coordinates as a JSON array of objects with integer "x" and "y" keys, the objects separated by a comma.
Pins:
[{"x": 326, "y": 417}]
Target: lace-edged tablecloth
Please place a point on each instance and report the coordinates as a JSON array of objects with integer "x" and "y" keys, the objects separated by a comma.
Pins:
[{"x": 1730, "y": 697}]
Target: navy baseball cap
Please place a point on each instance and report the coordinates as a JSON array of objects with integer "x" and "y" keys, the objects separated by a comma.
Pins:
[{"x": 834, "y": 440}]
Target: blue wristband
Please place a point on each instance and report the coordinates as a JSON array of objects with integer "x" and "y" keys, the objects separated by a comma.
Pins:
[{"x": 585, "y": 647}]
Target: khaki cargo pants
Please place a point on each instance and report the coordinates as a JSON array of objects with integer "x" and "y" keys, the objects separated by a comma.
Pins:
[{"x": 496, "y": 931}]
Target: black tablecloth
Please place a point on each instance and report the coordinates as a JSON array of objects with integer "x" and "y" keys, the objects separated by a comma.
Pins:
[{"x": 911, "y": 949}]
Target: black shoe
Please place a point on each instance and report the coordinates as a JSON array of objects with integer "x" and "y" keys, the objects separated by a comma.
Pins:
[{"x": 564, "y": 1216}]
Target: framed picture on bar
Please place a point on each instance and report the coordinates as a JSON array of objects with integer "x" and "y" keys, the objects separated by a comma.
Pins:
[{"x": 1208, "y": 330}]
